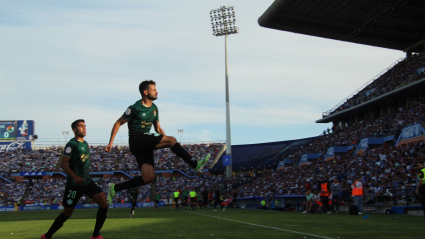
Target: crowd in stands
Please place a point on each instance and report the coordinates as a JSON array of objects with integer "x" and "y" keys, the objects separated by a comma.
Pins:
[
  {"x": 380, "y": 168},
  {"x": 389, "y": 81},
  {"x": 11, "y": 192},
  {"x": 42, "y": 160},
  {"x": 390, "y": 124},
  {"x": 119, "y": 159}
]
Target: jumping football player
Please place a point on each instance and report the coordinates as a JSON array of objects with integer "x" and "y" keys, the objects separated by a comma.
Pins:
[
  {"x": 140, "y": 117},
  {"x": 76, "y": 163}
]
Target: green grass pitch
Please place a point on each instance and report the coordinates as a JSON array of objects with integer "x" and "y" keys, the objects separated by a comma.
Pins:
[{"x": 166, "y": 223}]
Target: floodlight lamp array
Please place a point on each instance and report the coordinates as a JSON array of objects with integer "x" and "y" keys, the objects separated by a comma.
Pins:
[{"x": 223, "y": 21}]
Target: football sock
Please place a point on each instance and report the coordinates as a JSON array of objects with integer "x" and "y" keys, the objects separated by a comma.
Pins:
[
  {"x": 100, "y": 219},
  {"x": 57, "y": 224},
  {"x": 132, "y": 183},
  {"x": 183, "y": 154}
]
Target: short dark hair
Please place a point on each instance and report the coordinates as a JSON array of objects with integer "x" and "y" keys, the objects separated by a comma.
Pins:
[
  {"x": 145, "y": 85},
  {"x": 75, "y": 123}
]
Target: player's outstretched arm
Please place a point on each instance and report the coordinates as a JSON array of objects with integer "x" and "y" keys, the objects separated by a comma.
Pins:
[
  {"x": 158, "y": 128},
  {"x": 68, "y": 171},
  {"x": 114, "y": 132}
]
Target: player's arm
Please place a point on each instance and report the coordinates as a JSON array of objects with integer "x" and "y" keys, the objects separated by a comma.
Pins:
[
  {"x": 114, "y": 132},
  {"x": 158, "y": 128},
  {"x": 68, "y": 171}
]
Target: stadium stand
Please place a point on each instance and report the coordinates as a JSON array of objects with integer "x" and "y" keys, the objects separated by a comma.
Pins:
[
  {"x": 250, "y": 156},
  {"x": 405, "y": 72},
  {"x": 50, "y": 190}
]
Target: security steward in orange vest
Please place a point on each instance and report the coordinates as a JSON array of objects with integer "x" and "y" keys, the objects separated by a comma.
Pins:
[
  {"x": 325, "y": 193},
  {"x": 357, "y": 193}
]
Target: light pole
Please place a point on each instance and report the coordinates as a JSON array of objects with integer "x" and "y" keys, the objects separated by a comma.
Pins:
[
  {"x": 180, "y": 131},
  {"x": 223, "y": 22},
  {"x": 65, "y": 133}
]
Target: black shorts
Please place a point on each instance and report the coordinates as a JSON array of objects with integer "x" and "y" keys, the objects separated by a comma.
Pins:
[
  {"x": 156, "y": 201},
  {"x": 176, "y": 200},
  {"x": 73, "y": 194},
  {"x": 142, "y": 146},
  {"x": 192, "y": 199}
]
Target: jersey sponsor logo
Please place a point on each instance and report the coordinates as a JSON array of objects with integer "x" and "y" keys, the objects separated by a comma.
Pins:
[
  {"x": 84, "y": 157},
  {"x": 145, "y": 124},
  {"x": 143, "y": 114},
  {"x": 82, "y": 148},
  {"x": 128, "y": 111},
  {"x": 68, "y": 150},
  {"x": 69, "y": 201}
]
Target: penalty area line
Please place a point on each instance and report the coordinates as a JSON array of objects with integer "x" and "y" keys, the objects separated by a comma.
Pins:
[{"x": 257, "y": 225}]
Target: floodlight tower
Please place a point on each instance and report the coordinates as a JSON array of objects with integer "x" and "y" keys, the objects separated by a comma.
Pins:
[
  {"x": 223, "y": 22},
  {"x": 180, "y": 131},
  {"x": 65, "y": 133}
]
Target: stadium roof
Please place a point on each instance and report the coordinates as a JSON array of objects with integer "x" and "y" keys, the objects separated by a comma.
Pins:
[{"x": 393, "y": 24}]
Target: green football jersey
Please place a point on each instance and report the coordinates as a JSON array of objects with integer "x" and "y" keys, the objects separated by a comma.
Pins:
[
  {"x": 79, "y": 154},
  {"x": 140, "y": 118},
  {"x": 158, "y": 197}
]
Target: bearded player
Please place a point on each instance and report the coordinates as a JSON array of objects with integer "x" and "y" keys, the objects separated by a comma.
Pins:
[
  {"x": 140, "y": 117},
  {"x": 76, "y": 163}
]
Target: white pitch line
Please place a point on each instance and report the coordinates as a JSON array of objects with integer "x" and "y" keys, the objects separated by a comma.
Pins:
[{"x": 257, "y": 225}]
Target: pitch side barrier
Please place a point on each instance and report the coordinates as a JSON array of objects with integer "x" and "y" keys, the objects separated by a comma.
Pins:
[{"x": 78, "y": 206}]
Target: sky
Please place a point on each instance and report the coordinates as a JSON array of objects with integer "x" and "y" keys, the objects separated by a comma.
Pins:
[{"x": 65, "y": 60}]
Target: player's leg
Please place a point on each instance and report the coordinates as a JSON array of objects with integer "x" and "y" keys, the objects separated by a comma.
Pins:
[
  {"x": 422, "y": 197},
  {"x": 176, "y": 202},
  {"x": 71, "y": 196},
  {"x": 145, "y": 162},
  {"x": 205, "y": 204},
  {"x": 133, "y": 205},
  {"x": 141, "y": 146},
  {"x": 147, "y": 177},
  {"x": 171, "y": 142},
  {"x": 58, "y": 223},
  {"x": 100, "y": 199}
]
